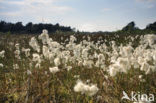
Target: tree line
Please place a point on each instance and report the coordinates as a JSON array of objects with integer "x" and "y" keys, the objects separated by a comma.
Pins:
[{"x": 31, "y": 28}]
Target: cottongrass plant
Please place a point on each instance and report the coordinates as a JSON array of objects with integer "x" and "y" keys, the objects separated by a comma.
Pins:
[{"x": 52, "y": 69}]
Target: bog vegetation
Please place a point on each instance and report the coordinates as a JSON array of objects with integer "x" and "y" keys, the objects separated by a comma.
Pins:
[{"x": 76, "y": 68}]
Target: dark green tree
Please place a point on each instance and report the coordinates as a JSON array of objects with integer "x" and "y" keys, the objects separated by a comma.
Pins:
[
  {"x": 129, "y": 27},
  {"x": 151, "y": 27}
]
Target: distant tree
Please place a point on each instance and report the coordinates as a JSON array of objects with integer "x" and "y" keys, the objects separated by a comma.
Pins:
[
  {"x": 17, "y": 27},
  {"x": 28, "y": 27},
  {"x": 129, "y": 27},
  {"x": 151, "y": 26},
  {"x": 2, "y": 25}
]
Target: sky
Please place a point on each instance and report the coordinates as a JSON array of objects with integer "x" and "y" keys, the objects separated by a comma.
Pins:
[{"x": 84, "y": 15}]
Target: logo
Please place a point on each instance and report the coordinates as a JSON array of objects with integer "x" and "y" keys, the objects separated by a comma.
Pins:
[{"x": 137, "y": 97}]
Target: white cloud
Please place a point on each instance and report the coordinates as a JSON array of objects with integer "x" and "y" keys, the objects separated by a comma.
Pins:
[
  {"x": 1, "y": 0},
  {"x": 36, "y": 11},
  {"x": 150, "y": 6},
  {"x": 2, "y": 7},
  {"x": 93, "y": 27},
  {"x": 145, "y": 0},
  {"x": 38, "y": 7},
  {"x": 25, "y": 2},
  {"x": 12, "y": 14},
  {"x": 87, "y": 27},
  {"x": 147, "y": 3},
  {"x": 105, "y": 9}
]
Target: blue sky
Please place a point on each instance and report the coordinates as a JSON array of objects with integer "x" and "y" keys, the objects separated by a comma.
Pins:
[{"x": 84, "y": 15}]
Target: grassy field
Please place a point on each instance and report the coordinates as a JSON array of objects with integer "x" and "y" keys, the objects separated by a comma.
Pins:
[{"x": 76, "y": 68}]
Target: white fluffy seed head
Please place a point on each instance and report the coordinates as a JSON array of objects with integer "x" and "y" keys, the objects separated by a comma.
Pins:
[
  {"x": 1, "y": 65},
  {"x": 36, "y": 58},
  {"x": 17, "y": 46},
  {"x": 54, "y": 69},
  {"x": 57, "y": 61},
  {"x": 44, "y": 37},
  {"x": 34, "y": 44},
  {"x": 89, "y": 90},
  {"x": 29, "y": 72},
  {"x": 2, "y": 54}
]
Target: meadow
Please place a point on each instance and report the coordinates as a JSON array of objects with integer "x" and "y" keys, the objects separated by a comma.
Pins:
[{"x": 77, "y": 68}]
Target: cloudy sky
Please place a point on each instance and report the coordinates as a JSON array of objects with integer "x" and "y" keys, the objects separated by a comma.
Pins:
[{"x": 84, "y": 15}]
